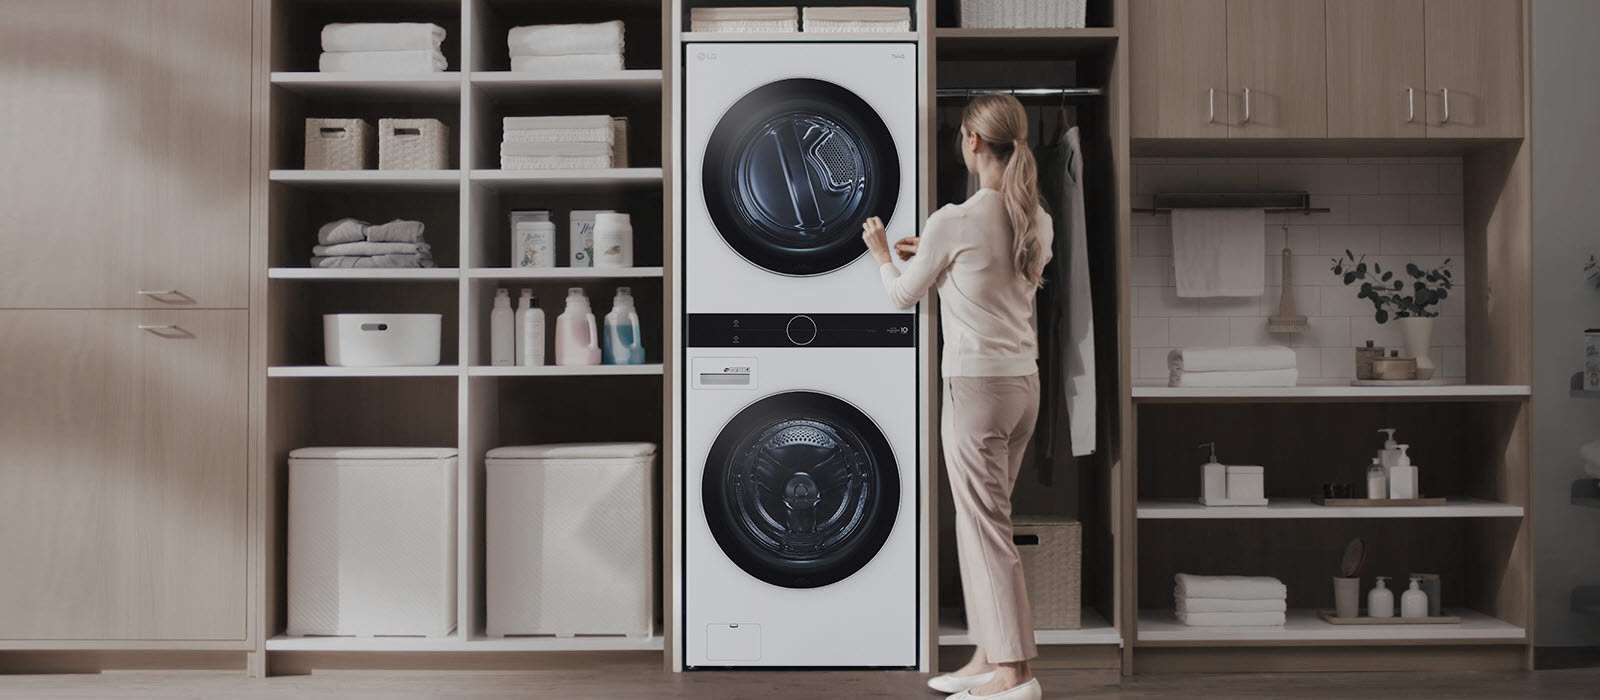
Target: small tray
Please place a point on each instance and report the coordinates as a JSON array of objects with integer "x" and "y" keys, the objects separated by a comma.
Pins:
[
  {"x": 1329, "y": 617},
  {"x": 1378, "y": 502},
  {"x": 1402, "y": 382}
]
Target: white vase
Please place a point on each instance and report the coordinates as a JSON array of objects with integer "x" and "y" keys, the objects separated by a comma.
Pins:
[{"x": 1417, "y": 334}]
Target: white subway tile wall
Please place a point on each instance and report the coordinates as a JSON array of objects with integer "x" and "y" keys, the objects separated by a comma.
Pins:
[{"x": 1392, "y": 210}]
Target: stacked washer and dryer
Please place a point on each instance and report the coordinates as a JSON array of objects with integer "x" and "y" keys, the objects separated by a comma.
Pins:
[{"x": 800, "y": 465}]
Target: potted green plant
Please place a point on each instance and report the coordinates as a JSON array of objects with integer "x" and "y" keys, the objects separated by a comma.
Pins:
[{"x": 1410, "y": 297}]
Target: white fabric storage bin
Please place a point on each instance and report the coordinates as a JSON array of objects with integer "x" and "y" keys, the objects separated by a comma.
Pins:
[
  {"x": 338, "y": 144},
  {"x": 413, "y": 144},
  {"x": 1024, "y": 14},
  {"x": 372, "y": 541},
  {"x": 570, "y": 540},
  {"x": 381, "y": 340}
]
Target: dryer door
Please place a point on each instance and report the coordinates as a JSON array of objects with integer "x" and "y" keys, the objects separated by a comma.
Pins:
[
  {"x": 801, "y": 489},
  {"x": 791, "y": 172}
]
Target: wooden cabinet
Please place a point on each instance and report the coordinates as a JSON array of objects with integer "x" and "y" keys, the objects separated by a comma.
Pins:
[
  {"x": 1475, "y": 75},
  {"x": 123, "y": 486},
  {"x": 1277, "y": 70},
  {"x": 127, "y": 145},
  {"x": 1179, "y": 68},
  {"x": 1375, "y": 69}
]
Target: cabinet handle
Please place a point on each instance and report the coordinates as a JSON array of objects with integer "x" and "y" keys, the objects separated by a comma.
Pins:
[
  {"x": 1411, "y": 105},
  {"x": 1211, "y": 106},
  {"x": 1246, "y": 106},
  {"x": 157, "y": 292},
  {"x": 153, "y": 327},
  {"x": 1446, "y": 119}
]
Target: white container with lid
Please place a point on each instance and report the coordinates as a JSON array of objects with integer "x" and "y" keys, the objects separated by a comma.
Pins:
[
  {"x": 613, "y": 240},
  {"x": 533, "y": 239},
  {"x": 1247, "y": 485},
  {"x": 381, "y": 340}
]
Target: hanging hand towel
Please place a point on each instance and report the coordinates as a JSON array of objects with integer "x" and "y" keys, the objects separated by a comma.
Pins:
[
  {"x": 1224, "y": 619},
  {"x": 566, "y": 39},
  {"x": 1219, "y": 252},
  {"x": 1262, "y": 377},
  {"x": 382, "y": 62},
  {"x": 1230, "y": 587},
  {"x": 382, "y": 36},
  {"x": 1223, "y": 605},
  {"x": 563, "y": 65},
  {"x": 1231, "y": 359}
]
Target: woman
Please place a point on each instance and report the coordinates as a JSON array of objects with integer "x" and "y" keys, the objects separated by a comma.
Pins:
[{"x": 986, "y": 256}]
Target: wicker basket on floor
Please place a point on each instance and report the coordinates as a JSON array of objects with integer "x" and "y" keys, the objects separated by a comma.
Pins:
[
  {"x": 338, "y": 144},
  {"x": 1052, "y": 561},
  {"x": 1024, "y": 14},
  {"x": 413, "y": 144}
]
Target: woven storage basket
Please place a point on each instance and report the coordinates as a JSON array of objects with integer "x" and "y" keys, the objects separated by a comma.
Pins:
[
  {"x": 1019, "y": 14},
  {"x": 1052, "y": 560},
  {"x": 619, "y": 142},
  {"x": 413, "y": 144},
  {"x": 338, "y": 144}
]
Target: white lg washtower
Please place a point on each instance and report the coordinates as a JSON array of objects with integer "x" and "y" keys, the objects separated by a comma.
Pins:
[{"x": 800, "y": 470}]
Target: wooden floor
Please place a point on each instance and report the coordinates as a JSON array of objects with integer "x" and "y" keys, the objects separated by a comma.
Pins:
[{"x": 646, "y": 682}]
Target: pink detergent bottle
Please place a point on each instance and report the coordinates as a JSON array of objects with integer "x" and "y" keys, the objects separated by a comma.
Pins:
[{"x": 577, "y": 336}]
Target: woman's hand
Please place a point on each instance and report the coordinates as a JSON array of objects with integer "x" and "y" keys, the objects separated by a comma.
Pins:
[
  {"x": 906, "y": 247},
  {"x": 876, "y": 239}
]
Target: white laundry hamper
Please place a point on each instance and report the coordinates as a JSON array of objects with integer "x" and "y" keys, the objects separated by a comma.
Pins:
[
  {"x": 372, "y": 541},
  {"x": 570, "y": 540}
]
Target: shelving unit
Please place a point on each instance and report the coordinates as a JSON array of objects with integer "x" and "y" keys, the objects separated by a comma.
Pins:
[
  {"x": 1322, "y": 392},
  {"x": 1161, "y": 628},
  {"x": 1303, "y": 508},
  {"x": 437, "y": 274}
]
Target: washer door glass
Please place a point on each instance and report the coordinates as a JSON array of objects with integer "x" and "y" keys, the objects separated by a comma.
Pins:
[
  {"x": 801, "y": 490},
  {"x": 792, "y": 171}
]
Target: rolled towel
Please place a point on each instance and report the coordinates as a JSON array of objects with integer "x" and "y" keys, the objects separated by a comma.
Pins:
[
  {"x": 561, "y": 65},
  {"x": 1264, "y": 377},
  {"x": 426, "y": 61},
  {"x": 1230, "y": 587},
  {"x": 1221, "y": 605},
  {"x": 397, "y": 231},
  {"x": 342, "y": 231},
  {"x": 370, "y": 248},
  {"x": 382, "y": 36},
  {"x": 1233, "y": 619},
  {"x": 1231, "y": 359},
  {"x": 566, "y": 39}
]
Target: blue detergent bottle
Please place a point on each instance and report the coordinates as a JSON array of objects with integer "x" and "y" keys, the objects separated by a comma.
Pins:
[{"x": 622, "y": 343}]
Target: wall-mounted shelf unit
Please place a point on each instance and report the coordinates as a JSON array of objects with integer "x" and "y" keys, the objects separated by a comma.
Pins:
[
  {"x": 1341, "y": 391},
  {"x": 1161, "y": 628},
  {"x": 1303, "y": 508},
  {"x": 375, "y": 86},
  {"x": 359, "y": 180},
  {"x": 315, "y": 372},
  {"x": 401, "y": 274}
]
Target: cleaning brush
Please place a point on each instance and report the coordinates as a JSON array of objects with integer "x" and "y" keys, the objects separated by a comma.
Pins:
[{"x": 1287, "y": 321}]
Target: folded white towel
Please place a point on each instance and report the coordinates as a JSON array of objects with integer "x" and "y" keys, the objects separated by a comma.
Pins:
[
  {"x": 373, "y": 261},
  {"x": 370, "y": 248},
  {"x": 1219, "y": 252},
  {"x": 743, "y": 14},
  {"x": 785, "y": 26},
  {"x": 584, "y": 135},
  {"x": 556, "y": 149},
  {"x": 598, "y": 122},
  {"x": 1230, "y": 587},
  {"x": 382, "y": 36},
  {"x": 342, "y": 231},
  {"x": 423, "y": 61},
  {"x": 566, "y": 39},
  {"x": 1263, "y": 377},
  {"x": 1227, "y": 619},
  {"x": 556, "y": 162},
  {"x": 565, "y": 65},
  {"x": 1222, "y": 605},
  {"x": 857, "y": 19},
  {"x": 1231, "y": 359}
]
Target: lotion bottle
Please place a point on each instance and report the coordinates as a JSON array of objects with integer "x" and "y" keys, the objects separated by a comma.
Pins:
[
  {"x": 1377, "y": 481},
  {"x": 1414, "y": 603},
  {"x": 502, "y": 341},
  {"x": 1380, "y": 602},
  {"x": 530, "y": 331},
  {"x": 1403, "y": 476}
]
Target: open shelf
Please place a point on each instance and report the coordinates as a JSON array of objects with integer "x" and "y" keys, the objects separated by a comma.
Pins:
[
  {"x": 638, "y": 84},
  {"x": 555, "y": 179},
  {"x": 287, "y": 643},
  {"x": 1096, "y": 630},
  {"x": 563, "y": 273},
  {"x": 769, "y": 37},
  {"x": 595, "y": 643},
  {"x": 1311, "y": 391},
  {"x": 1160, "y": 627},
  {"x": 315, "y": 371},
  {"x": 374, "y": 180},
  {"x": 567, "y": 371},
  {"x": 1303, "y": 508},
  {"x": 952, "y": 43},
  {"x": 454, "y": 643},
  {"x": 372, "y": 86},
  {"x": 402, "y": 274}
]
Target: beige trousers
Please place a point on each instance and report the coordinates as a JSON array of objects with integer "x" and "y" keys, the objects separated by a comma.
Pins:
[{"x": 986, "y": 427}]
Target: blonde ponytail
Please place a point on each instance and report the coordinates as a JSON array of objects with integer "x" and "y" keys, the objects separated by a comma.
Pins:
[{"x": 1000, "y": 122}]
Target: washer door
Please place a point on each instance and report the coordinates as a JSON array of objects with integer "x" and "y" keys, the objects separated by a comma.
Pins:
[
  {"x": 792, "y": 171},
  {"x": 801, "y": 489}
]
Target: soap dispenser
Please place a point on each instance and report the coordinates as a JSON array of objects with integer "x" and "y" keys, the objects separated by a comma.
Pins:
[
  {"x": 1213, "y": 478},
  {"x": 1414, "y": 603},
  {"x": 1390, "y": 454},
  {"x": 1377, "y": 481},
  {"x": 1380, "y": 602},
  {"x": 1403, "y": 476}
]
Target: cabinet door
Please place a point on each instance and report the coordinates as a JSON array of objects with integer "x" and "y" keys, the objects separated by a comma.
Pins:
[
  {"x": 123, "y": 475},
  {"x": 1277, "y": 68},
  {"x": 127, "y": 146},
  {"x": 1179, "y": 71},
  {"x": 1375, "y": 69},
  {"x": 1475, "y": 53}
]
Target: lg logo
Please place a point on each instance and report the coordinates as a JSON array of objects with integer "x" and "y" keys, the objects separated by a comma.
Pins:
[{"x": 705, "y": 56}]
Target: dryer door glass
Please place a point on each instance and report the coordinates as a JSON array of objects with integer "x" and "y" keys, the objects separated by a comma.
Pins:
[
  {"x": 791, "y": 172},
  {"x": 801, "y": 490}
]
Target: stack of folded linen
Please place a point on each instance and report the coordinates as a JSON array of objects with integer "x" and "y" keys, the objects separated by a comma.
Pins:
[
  {"x": 1230, "y": 601},
  {"x": 744, "y": 19},
  {"x": 558, "y": 143},
  {"x": 399, "y": 47},
  {"x": 1263, "y": 365},
  {"x": 353, "y": 243},
  {"x": 567, "y": 48},
  {"x": 848, "y": 20}
]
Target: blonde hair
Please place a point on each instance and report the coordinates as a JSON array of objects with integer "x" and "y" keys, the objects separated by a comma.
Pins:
[{"x": 999, "y": 120}]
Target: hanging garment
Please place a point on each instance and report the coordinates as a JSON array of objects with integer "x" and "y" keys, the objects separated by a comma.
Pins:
[{"x": 1065, "y": 315}]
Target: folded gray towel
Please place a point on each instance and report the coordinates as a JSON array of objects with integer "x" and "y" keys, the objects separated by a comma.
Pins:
[
  {"x": 342, "y": 231},
  {"x": 397, "y": 231},
  {"x": 373, "y": 261},
  {"x": 371, "y": 248}
]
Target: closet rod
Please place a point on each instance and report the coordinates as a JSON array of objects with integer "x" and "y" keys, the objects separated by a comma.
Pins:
[{"x": 1024, "y": 92}]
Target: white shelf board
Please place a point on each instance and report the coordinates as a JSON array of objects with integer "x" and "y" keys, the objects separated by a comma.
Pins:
[
  {"x": 531, "y": 179},
  {"x": 364, "y": 274},
  {"x": 1096, "y": 630},
  {"x": 385, "y": 180},
  {"x": 1304, "y": 509},
  {"x": 427, "y": 86},
  {"x": 619, "y": 84},
  {"x": 319, "y": 371},
  {"x": 562, "y": 273},
  {"x": 767, "y": 37},
  {"x": 1160, "y": 626},
  {"x": 1328, "y": 390},
  {"x": 454, "y": 643},
  {"x": 652, "y": 643},
  {"x": 570, "y": 371},
  {"x": 287, "y": 643}
]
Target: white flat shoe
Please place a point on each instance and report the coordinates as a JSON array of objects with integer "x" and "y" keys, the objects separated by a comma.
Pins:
[
  {"x": 954, "y": 684},
  {"x": 1026, "y": 691}
]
